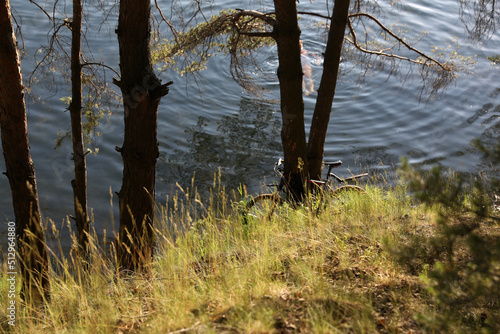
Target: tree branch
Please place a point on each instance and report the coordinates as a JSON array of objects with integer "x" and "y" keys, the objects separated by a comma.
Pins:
[
  {"x": 354, "y": 42},
  {"x": 381, "y": 53},
  {"x": 399, "y": 39},
  {"x": 170, "y": 25},
  {"x": 266, "y": 17},
  {"x": 160, "y": 91},
  {"x": 43, "y": 10},
  {"x": 257, "y": 34},
  {"x": 315, "y": 14},
  {"x": 102, "y": 65}
]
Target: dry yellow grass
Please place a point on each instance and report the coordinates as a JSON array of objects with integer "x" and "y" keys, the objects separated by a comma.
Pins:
[{"x": 298, "y": 272}]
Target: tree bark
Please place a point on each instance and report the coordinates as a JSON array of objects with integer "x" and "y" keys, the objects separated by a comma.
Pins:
[
  {"x": 287, "y": 35},
  {"x": 142, "y": 92},
  {"x": 20, "y": 170},
  {"x": 326, "y": 91},
  {"x": 79, "y": 184}
]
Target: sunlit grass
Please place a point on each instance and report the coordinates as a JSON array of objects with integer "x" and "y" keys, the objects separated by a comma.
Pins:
[{"x": 298, "y": 271}]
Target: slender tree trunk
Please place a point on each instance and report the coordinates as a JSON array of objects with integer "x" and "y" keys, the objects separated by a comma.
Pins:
[
  {"x": 142, "y": 92},
  {"x": 326, "y": 89},
  {"x": 79, "y": 184},
  {"x": 20, "y": 170},
  {"x": 287, "y": 35}
]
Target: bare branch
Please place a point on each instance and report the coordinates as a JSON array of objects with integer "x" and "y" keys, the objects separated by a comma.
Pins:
[
  {"x": 396, "y": 37},
  {"x": 43, "y": 10},
  {"x": 198, "y": 4},
  {"x": 53, "y": 40},
  {"x": 315, "y": 14},
  {"x": 388, "y": 31},
  {"x": 102, "y": 65},
  {"x": 354, "y": 42},
  {"x": 257, "y": 34},
  {"x": 170, "y": 25},
  {"x": 480, "y": 18},
  {"x": 266, "y": 17}
]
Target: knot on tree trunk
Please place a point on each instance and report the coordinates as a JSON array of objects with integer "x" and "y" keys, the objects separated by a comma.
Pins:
[
  {"x": 149, "y": 87},
  {"x": 160, "y": 91}
]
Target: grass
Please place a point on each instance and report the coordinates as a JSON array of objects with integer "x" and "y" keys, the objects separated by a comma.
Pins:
[{"x": 343, "y": 270}]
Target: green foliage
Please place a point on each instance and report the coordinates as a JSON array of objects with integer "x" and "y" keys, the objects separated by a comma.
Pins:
[
  {"x": 97, "y": 104},
  {"x": 224, "y": 33},
  {"x": 460, "y": 260},
  {"x": 495, "y": 59},
  {"x": 53, "y": 60},
  {"x": 61, "y": 136},
  {"x": 202, "y": 37}
]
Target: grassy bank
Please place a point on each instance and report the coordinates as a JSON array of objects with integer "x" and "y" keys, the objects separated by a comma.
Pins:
[{"x": 365, "y": 264}]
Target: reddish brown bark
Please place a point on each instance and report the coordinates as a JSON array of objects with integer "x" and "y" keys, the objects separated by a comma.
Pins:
[
  {"x": 33, "y": 259},
  {"x": 79, "y": 184},
  {"x": 142, "y": 92},
  {"x": 326, "y": 91},
  {"x": 287, "y": 35}
]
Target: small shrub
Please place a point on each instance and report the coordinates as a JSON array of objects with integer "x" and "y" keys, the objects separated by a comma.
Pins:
[{"x": 460, "y": 260}]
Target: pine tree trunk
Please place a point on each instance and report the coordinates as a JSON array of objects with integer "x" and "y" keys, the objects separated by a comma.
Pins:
[
  {"x": 79, "y": 184},
  {"x": 142, "y": 92},
  {"x": 326, "y": 91},
  {"x": 33, "y": 259},
  {"x": 287, "y": 35}
]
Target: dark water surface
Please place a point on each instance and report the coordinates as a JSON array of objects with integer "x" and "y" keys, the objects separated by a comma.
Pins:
[{"x": 209, "y": 123}]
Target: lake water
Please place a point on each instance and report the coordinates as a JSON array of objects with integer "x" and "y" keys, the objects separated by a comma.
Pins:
[{"x": 209, "y": 123}]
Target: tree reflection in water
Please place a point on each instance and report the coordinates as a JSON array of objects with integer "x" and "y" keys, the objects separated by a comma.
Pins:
[{"x": 243, "y": 145}]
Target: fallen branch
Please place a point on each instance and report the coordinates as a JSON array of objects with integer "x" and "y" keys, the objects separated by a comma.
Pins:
[{"x": 184, "y": 330}]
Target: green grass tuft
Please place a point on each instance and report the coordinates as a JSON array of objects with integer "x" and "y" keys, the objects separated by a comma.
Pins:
[{"x": 365, "y": 263}]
